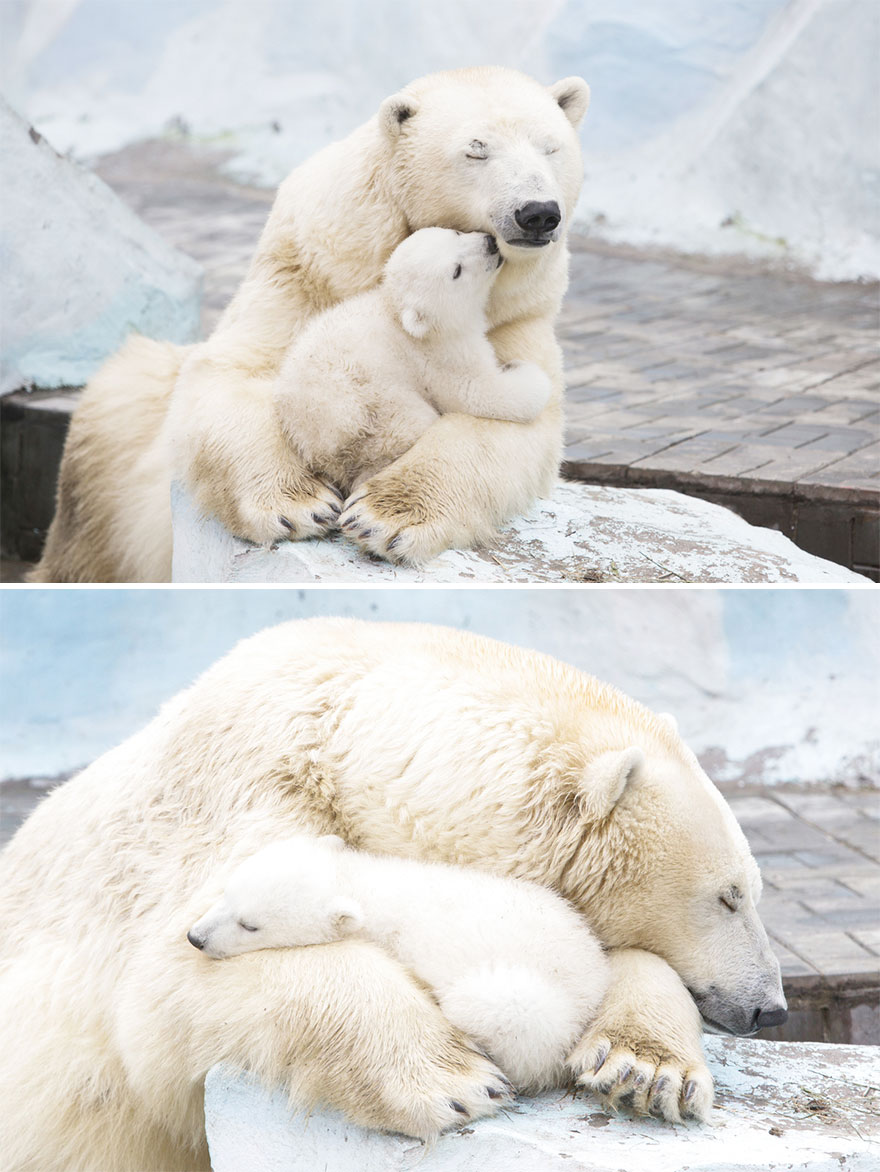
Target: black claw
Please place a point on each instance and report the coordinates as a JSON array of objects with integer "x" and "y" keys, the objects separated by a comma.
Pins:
[
  {"x": 624, "y": 1072},
  {"x": 394, "y": 540},
  {"x": 332, "y": 488},
  {"x": 690, "y": 1089},
  {"x": 601, "y": 1055},
  {"x": 287, "y": 524},
  {"x": 321, "y": 518},
  {"x": 462, "y": 1110},
  {"x": 365, "y": 533},
  {"x": 494, "y": 1093},
  {"x": 348, "y": 524}
]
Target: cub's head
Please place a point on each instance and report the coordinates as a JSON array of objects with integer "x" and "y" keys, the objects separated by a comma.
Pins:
[
  {"x": 487, "y": 150},
  {"x": 438, "y": 280},
  {"x": 284, "y": 896}
]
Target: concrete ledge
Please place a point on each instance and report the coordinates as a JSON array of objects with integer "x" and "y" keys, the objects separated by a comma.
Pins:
[
  {"x": 583, "y": 533},
  {"x": 798, "y": 1106}
]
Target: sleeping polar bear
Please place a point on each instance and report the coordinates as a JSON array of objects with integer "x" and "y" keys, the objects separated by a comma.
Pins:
[
  {"x": 366, "y": 378},
  {"x": 511, "y": 963}
]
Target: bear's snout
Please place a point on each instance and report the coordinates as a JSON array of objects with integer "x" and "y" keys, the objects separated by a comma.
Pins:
[
  {"x": 538, "y": 219},
  {"x": 764, "y": 1018},
  {"x": 195, "y": 941}
]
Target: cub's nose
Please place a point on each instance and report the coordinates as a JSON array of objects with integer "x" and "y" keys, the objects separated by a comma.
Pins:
[
  {"x": 491, "y": 245},
  {"x": 540, "y": 219},
  {"x": 764, "y": 1018},
  {"x": 195, "y": 941}
]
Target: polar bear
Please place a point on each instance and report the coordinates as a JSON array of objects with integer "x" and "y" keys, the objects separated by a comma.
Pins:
[
  {"x": 366, "y": 378},
  {"x": 511, "y": 964},
  {"x": 403, "y": 739},
  {"x": 478, "y": 150}
]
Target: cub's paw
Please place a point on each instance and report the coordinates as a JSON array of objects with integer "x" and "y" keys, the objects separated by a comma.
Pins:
[
  {"x": 391, "y": 527},
  {"x": 646, "y": 1082},
  {"x": 289, "y": 512}
]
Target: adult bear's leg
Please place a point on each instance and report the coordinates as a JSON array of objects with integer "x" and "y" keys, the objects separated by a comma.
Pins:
[
  {"x": 340, "y": 1024},
  {"x": 228, "y": 448},
  {"x": 643, "y": 1050},
  {"x": 465, "y": 476}
]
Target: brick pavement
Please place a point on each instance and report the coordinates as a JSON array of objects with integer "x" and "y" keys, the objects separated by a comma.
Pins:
[
  {"x": 819, "y": 853},
  {"x": 725, "y": 373}
]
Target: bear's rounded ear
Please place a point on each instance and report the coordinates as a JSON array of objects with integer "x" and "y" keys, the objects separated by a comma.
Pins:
[
  {"x": 333, "y": 841},
  {"x": 605, "y": 780},
  {"x": 572, "y": 95},
  {"x": 346, "y": 915},
  {"x": 394, "y": 112},
  {"x": 669, "y": 720},
  {"x": 415, "y": 321}
]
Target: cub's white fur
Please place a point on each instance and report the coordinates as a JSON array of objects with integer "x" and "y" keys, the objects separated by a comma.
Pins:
[
  {"x": 511, "y": 963},
  {"x": 366, "y": 378}
]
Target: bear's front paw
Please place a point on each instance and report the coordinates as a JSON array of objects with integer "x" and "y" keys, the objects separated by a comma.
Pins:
[
  {"x": 452, "y": 1095},
  {"x": 647, "y": 1082},
  {"x": 287, "y": 513},
  {"x": 390, "y": 526}
]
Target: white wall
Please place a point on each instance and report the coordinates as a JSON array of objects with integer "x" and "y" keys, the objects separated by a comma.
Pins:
[
  {"x": 767, "y": 685},
  {"x": 757, "y": 114}
]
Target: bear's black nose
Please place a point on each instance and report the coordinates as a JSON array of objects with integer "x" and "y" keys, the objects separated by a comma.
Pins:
[
  {"x": 764, "y": 1018},
  {"x": 539, "y": 219},
  {"x": 195, "y": 941}
]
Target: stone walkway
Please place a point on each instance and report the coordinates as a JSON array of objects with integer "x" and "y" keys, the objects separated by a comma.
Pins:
[
  {"x": 819, "y": 853},
  {"x": 724, "y": 373}
]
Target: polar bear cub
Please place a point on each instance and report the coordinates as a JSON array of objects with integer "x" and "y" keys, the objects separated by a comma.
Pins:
[
  {"x": 511, "y": 963},
  {"x": 366, "y": 378}
]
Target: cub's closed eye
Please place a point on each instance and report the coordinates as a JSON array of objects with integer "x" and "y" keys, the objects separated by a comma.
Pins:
[
  {"x": 247, "y": 927},
  {"x": 457, "y": 273},
  {"x": 728, "y": 903}
]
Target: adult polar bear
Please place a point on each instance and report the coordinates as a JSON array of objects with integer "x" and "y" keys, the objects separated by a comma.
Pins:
[
  {"x": 481, "y": 150},
  {"x": 402, "y": 739}
]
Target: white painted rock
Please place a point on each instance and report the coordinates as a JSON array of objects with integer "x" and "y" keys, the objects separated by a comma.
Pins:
[
  {"x": 800, "y": 1106},
  {"x": 80, "y": 268},
  {"x": 583, "y": 533}
]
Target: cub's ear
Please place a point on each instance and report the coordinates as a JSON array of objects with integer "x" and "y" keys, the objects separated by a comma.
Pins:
[
  {"x": 394, "y": 112},
  {"x": 573, "y": 97},
  {"x": 605, "y": 780},
  {"x": 346, "y": 915},
  {"x": 669, "y": 720},
  {"x": 415, "y": 321},
  {"x": 333, "y": 841}
]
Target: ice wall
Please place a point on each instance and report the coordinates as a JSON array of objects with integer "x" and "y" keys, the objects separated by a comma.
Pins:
[
  {"x": 742, "y": 126},
  {"x": 767, "y": 685}
]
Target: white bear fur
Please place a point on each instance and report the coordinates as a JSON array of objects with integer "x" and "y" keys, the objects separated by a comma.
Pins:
[
  {"x": 512, "y": 964},
  {"x": 205, "y": 414},
  {"x": 365, "y": 379},
  {"x": 408, "y": 740}
]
